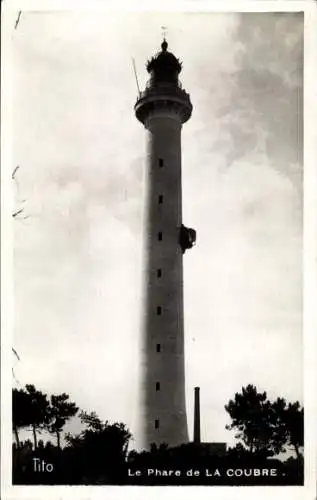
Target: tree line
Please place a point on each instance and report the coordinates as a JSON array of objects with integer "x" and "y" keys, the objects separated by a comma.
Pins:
[
  {"x": 31, "y": 408},
  {"x": 99, "y": 454}
]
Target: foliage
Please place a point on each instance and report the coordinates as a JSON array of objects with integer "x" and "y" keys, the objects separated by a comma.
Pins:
[
  {"x": 31, "y": 408},
  {"x": 37, "y": 410},
  {"x": 265, "y": 427},
  {"x": 293, "y": 419},
  {"x": 59, "y": 412},
  {"x": 100, "y": 450},
  {"x": 98, "y": 454},
  {"x": 110, "y": 439},
  {"x": 21, "y": 416}
]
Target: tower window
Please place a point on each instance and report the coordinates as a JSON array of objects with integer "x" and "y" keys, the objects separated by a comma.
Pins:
[
  {"x": 157, "y": 423},
  {"x": 161, "y": 162},
  {"x": 157, "y": 386},
  {"x": 159, "y": 273},
  {"x": 160, "y": 236},
  {"x": 160, "y": 199},
  {"x": 158, "y": 310},
  {"x": 158, "y": 347}
]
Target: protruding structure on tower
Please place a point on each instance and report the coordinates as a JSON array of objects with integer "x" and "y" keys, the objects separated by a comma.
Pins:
[{"x": 162, "y": 108}]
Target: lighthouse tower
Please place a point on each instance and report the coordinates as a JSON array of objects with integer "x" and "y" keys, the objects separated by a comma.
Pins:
[{"x": 162, "y": 108}]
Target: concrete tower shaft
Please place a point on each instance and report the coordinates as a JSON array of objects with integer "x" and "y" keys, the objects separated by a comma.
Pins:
[{"x": 163, "y": 107}]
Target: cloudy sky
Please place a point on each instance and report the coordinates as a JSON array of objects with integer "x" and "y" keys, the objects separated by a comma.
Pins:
[{"x": 77, "y": 256}]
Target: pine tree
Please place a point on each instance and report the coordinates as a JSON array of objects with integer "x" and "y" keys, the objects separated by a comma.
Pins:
[{"x": 60, "y": 411}]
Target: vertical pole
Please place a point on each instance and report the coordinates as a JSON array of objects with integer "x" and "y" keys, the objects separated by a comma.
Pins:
[
  {"x": 136, "y": 76},
  {"x": 197, "y": 416}
]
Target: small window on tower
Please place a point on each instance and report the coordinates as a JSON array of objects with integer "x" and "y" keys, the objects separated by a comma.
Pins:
[
  {"x": 160, "y": 236},
  {"x": 157, "y": 423},
  {"x": 160, "y": 199},
  {"x": 159, "y": 273},
  {"x": 158, "y": 310},
  {"x": 161, "y": 162},
  {"x": 158, "y": 347},
  {"x": 157, "y": 386}
]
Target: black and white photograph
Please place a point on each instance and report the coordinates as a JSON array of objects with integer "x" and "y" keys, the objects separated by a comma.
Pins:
[{"x": 156, "y": 171}]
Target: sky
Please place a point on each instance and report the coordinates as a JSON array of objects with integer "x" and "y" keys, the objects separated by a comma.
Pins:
[{"x": 77, "y": 255}]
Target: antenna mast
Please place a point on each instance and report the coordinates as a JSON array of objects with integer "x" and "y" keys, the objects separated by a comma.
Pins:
[
  {"x": 136, "y": 76},
  {"x": 18, "y": 19}
]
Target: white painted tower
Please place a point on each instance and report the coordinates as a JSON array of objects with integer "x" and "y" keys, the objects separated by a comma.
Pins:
[{"x": 163, "y": 107}]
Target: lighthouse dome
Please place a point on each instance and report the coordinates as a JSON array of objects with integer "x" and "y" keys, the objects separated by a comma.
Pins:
[{"x": 164, "y": 66}]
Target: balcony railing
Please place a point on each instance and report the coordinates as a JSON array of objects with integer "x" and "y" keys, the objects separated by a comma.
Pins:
[{"x": 163, "y": 88}]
